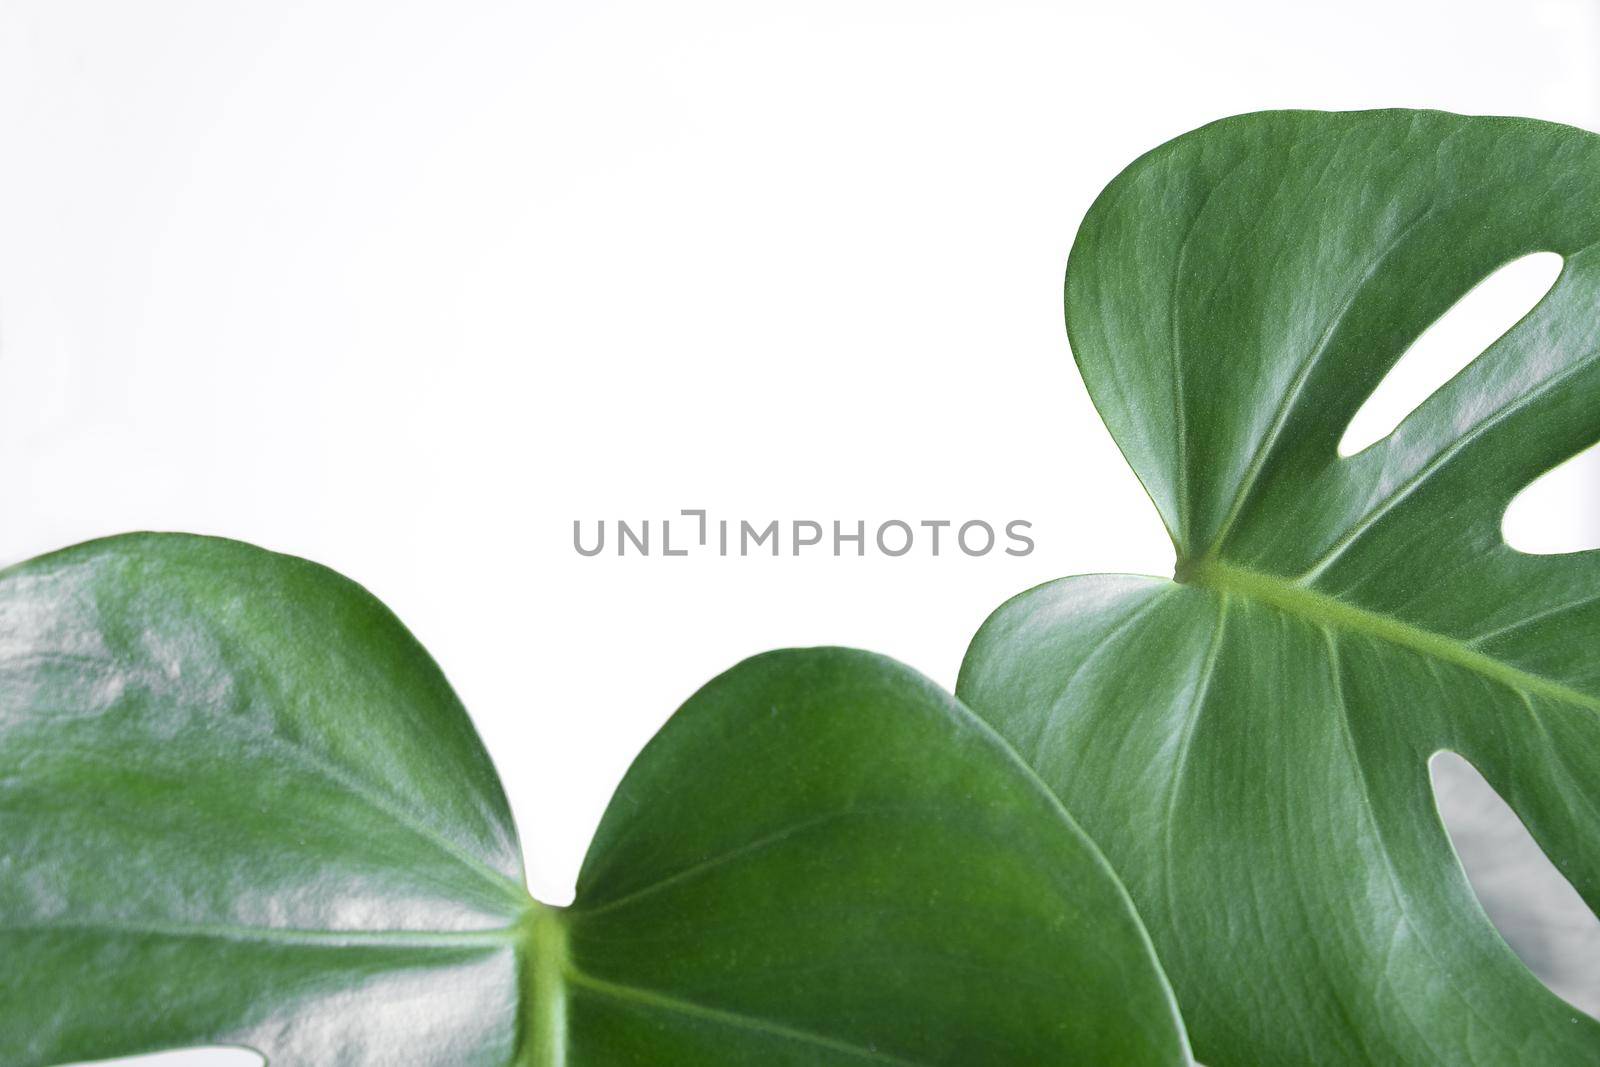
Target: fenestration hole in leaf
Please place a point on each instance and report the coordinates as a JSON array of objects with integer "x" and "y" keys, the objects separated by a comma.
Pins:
[
  {"x": 1454, "y": 340},
  {"x": 192, "y": 1057},
  {"x": 1559, "y": 511},
  {"x": 1534, "y": 907}
]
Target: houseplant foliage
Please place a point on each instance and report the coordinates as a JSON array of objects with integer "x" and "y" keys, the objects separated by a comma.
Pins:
[
  {"x": 239, "y": 804},
  {"x": 1249, "y": 743}
]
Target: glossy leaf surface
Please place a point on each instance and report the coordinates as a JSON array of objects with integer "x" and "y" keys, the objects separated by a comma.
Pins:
[
  {"x": 1249, "y": 744},
  {"x": 240, "y": 805}
]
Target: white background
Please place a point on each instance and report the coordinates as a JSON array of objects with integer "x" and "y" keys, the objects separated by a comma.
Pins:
[{"x": 408, "y": 287}]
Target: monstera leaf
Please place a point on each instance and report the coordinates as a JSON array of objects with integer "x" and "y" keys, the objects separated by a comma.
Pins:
[
  {"x": 240, "y": 805},
  {"x": 1249, "y": 743}
]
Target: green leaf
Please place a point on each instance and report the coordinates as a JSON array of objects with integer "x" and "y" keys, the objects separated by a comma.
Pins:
[
  {"x": 240, "y": 805},
  {"x": 1249, "y": 743}
]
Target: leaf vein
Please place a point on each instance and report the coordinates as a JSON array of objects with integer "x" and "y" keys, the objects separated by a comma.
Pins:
[{"x": 678, "y": 1006}]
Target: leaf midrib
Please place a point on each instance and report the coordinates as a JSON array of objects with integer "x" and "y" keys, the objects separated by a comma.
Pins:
[
  {"x": 540, "y": 935},
  {"x": 1325, "y": 610},
  {"x": 278, "y": 935},
  {"x": 552, "y": 976}
]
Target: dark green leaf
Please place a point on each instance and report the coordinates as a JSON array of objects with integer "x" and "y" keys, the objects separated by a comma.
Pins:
[
  {"x": 1250, "y": 743},
  {"x": 240, "y": 805}
]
